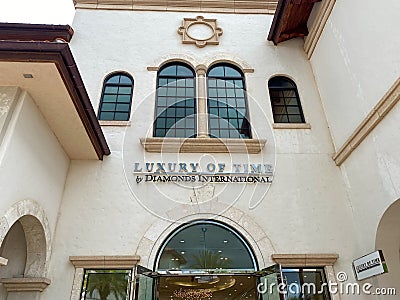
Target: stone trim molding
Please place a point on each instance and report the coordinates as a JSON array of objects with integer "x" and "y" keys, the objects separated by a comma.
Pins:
[
  {"x": 376, "y": 115},
  {"x": 318, "y": 26},
  {"x": 102, "y": 262},
  {"x": 39, "y": 254},
  {"x": 194, "y": 63},
  {"x": 201, "y": 145},
  {"x": 291, "y": 125},
  {"x": 25, "y": 284},
  {"x": 215, "y": 6},
  {"x": 305, "y": 260},
  {"x": 188, "y": 38},
  {"x": 114, "y": 123},
  {"x": 3, "y": 261},
  {"x": 206, "y": 209}
]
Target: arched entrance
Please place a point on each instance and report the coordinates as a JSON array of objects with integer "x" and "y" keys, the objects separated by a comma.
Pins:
[
  {"x": 388, "y": 240},
  {"x": 204, "y": 259}
]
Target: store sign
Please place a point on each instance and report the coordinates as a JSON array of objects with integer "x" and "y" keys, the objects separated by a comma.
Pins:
[
  {"x": 370, "y": 265},
  {"x": 162, "y": 172}
]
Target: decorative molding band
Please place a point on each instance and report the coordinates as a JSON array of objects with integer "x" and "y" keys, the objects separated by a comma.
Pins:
[
  {"x": 114, "y": 123},
  {"x": 291, "y": 125},
  {"x": 305, "y": 260},
  {"x": 214, "y": 6},
  {"x": 318, "y": 26},
  {"x": 3, "y": 261},
  {"x": 101, "y": 262},
  {"x": 377, "y": 114},
  {"x": 201, "y": 145},
  {"x": 25, "y": 284}
]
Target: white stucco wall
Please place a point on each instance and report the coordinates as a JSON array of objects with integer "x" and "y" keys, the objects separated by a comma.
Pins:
[
  {"x": 33, "y": 167},
  {"x": 356, "y": 61},
  {"x": 306, "y": 209}
]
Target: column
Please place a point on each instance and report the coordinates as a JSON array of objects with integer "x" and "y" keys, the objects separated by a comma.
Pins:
[{"x": 202, "y": 114}]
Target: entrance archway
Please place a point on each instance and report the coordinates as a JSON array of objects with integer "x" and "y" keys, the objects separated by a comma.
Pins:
[
  {"x": 206, "y": 246},
  {"x": 388, "y": 240},
  {"x": 204, "y": 259}
]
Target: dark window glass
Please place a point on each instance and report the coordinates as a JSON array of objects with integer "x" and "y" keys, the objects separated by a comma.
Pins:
[
  {"x": 106, "y": 285},
  {"x": 285, "y": 100},
  {"x": 227, "y": 107},
  {"x": 115, "y": 103},
  {"x": 305, "y": 283},
  {"x": 175, "y": 102},
  {"x": 205, "y": 246}
]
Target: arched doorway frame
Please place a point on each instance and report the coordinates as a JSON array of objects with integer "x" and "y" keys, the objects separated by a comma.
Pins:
[
  {"x": 37, "y": 233},
  {"x": 159, "y": 231},
  {"x": 213, "y": 222},
  {"x": 388, "y": 239}
]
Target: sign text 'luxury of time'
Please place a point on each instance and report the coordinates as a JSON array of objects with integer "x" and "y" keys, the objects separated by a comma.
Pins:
[{"x": 164, "y": 172}]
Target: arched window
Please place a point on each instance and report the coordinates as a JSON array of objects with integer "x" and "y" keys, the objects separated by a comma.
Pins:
[
  {"x": 206, "y": 245},
  {"x": 285, "y": 100},
  {"x": 116, "y": 98},
  {"x": 175, "y": 102},
  {"x": 227, "y": 103}
]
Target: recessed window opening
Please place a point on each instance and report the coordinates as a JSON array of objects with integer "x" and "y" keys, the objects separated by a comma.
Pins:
[
  {"x": 175, "y": 102},
  {"x": 285, "y": 100},
  {"x": 227, "y": 103},
  {"x": 116, "y": 98}
]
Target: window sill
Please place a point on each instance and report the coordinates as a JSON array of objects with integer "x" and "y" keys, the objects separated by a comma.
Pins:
[
  {"x": 114, "y": 123},
  {"x": 25, "y": 284},
  {"x": 291, "y": 125},
  {"x": 201, "y": 145}
]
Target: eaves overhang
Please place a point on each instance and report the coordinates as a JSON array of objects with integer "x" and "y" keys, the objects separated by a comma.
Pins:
[
  {"x": 290, "y": 20},
  {"x": 57, "y": 89}
]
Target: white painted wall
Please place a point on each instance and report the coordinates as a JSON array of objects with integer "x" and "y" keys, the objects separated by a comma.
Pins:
[
  {"x": 355, "y": 62},
  {"x": 33, "y": 164},
  {"x": 305, "y": 211}
]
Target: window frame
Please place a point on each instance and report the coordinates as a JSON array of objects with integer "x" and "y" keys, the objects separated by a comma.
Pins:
[
  {"x": 105, "y": 85},
  {"x": 156, "y": 105},
  {"x": 244, "y": 88},
  {"x": 299, "y": 270},
  {"x": 88, "y": 271},
  {"x": 285, "y": 106}
]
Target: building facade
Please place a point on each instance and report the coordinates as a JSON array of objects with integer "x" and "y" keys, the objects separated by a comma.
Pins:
[{"x": 200, "y": 150}]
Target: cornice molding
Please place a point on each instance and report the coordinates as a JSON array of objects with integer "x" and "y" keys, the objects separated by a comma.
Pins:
[
  {"x": 305, "y": 260},
  {"x": 317, "y": 27},
  {"x": 25, "y": 284},
  {"x": 376, "y": 115},
  {"x": 102, "y": 262},
  {"x": 214, "y": 6},
  {"x": 35, "y": 32},
  {"x": 202, "y": 145}
]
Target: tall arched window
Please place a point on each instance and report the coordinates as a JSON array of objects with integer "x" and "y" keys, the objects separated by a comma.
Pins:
[
  {"x": 175, "y": 103},
  {"x": 227, "y": 103},
  {"x": 285, "y": 100},
  {"x": 116, "y": 99}
]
